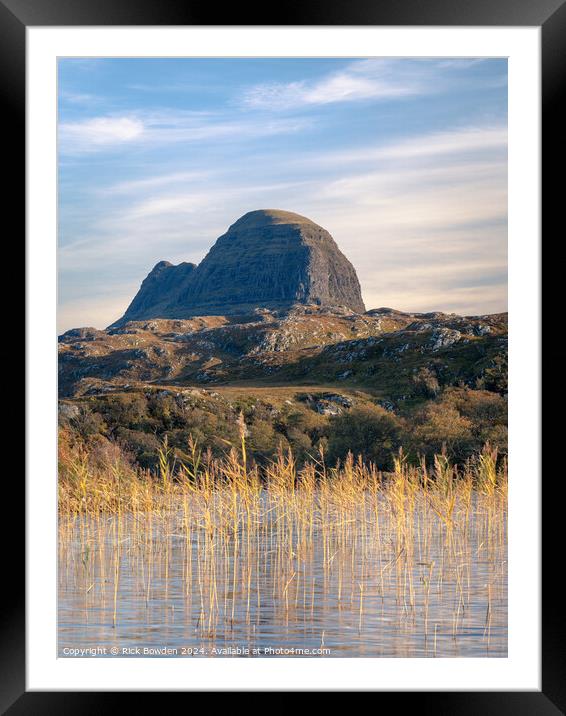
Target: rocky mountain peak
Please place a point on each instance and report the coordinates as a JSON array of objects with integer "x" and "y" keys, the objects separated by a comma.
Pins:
[
  {"x": 268, "y": 258},
  {"x": 261, "y": 218}
]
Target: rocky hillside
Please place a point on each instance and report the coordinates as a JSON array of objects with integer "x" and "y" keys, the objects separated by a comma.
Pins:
[
  {"x": 394, "y": 353},
  {"x": 269, "y": 258}
]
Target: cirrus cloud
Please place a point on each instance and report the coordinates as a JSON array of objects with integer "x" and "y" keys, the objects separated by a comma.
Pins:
[
  {"x": 360, "y": 81},
  {"x": 99, "y": 131}
]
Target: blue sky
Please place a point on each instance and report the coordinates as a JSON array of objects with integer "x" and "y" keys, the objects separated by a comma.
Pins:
[{"x": 404, "y": 162}]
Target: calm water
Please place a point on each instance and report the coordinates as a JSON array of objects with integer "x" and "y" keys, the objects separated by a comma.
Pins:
[{"x": 332, "y": 588}]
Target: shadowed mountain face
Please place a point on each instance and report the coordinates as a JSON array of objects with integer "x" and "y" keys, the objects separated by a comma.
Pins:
[
  {"x": 160, "y": 289},
  {"x": 268, "y": 259}
]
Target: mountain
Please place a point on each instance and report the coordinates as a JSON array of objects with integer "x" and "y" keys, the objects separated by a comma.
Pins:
[
  {"x": 162, "y": 287},
  {"x": 268, "y": 259},
  {"x": 274, "y": 314},
  {"x": 271, "y": 326}
]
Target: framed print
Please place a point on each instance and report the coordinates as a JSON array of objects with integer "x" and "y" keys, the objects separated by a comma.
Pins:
[{"x": 283, "y": 314}]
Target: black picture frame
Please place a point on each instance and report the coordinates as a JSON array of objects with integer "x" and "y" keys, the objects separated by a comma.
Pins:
[{"x": 550, "y": 15}]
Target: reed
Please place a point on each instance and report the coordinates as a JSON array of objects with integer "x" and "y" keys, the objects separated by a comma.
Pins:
[{"x": 285, "y": 539}]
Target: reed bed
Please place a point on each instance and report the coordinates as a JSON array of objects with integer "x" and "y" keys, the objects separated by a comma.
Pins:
[{"x": 218, "y": 551}]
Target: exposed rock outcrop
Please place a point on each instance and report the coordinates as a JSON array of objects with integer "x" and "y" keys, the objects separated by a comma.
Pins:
[{"x": 309, "y": 345}]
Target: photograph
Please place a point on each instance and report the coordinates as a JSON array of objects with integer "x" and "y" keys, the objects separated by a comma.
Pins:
[{"x": 282, "y": 357}]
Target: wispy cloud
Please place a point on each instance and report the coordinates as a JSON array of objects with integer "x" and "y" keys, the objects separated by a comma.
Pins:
[
  {"x": 475, "y": 140},
  {"x": 159, "y": 128},
  {"x": 150, "y": 184},
  {"x": 98, "y": 132},
  {"x": 360, "y": 81},
  {"x": 78, "y": 98}
]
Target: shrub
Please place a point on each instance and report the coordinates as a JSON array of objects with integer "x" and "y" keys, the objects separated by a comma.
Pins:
[
  {"x": 494, "y": 377},
  {"x": 369, "y": 431},
  {"x": 262, "y": 438},
  {"x": 143, "y": 445},
  {"x": 87, "y": 423},
  {"x": 461, "y": 420},
  {"x": 440, "y": 426},
  {"x": 426, "y": 383}
]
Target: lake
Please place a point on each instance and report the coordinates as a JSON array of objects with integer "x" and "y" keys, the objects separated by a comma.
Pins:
[{"x": 278, "y": 577}]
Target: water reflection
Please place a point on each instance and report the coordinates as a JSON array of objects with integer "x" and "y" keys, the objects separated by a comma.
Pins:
[{"x": 364, "y": 587}]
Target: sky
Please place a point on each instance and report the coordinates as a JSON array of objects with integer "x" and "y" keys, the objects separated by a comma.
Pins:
[{"x": 403, "y": 161}]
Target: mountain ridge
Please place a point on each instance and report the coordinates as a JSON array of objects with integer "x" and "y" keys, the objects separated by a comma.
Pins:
[{"x": 381, "y": 348}]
